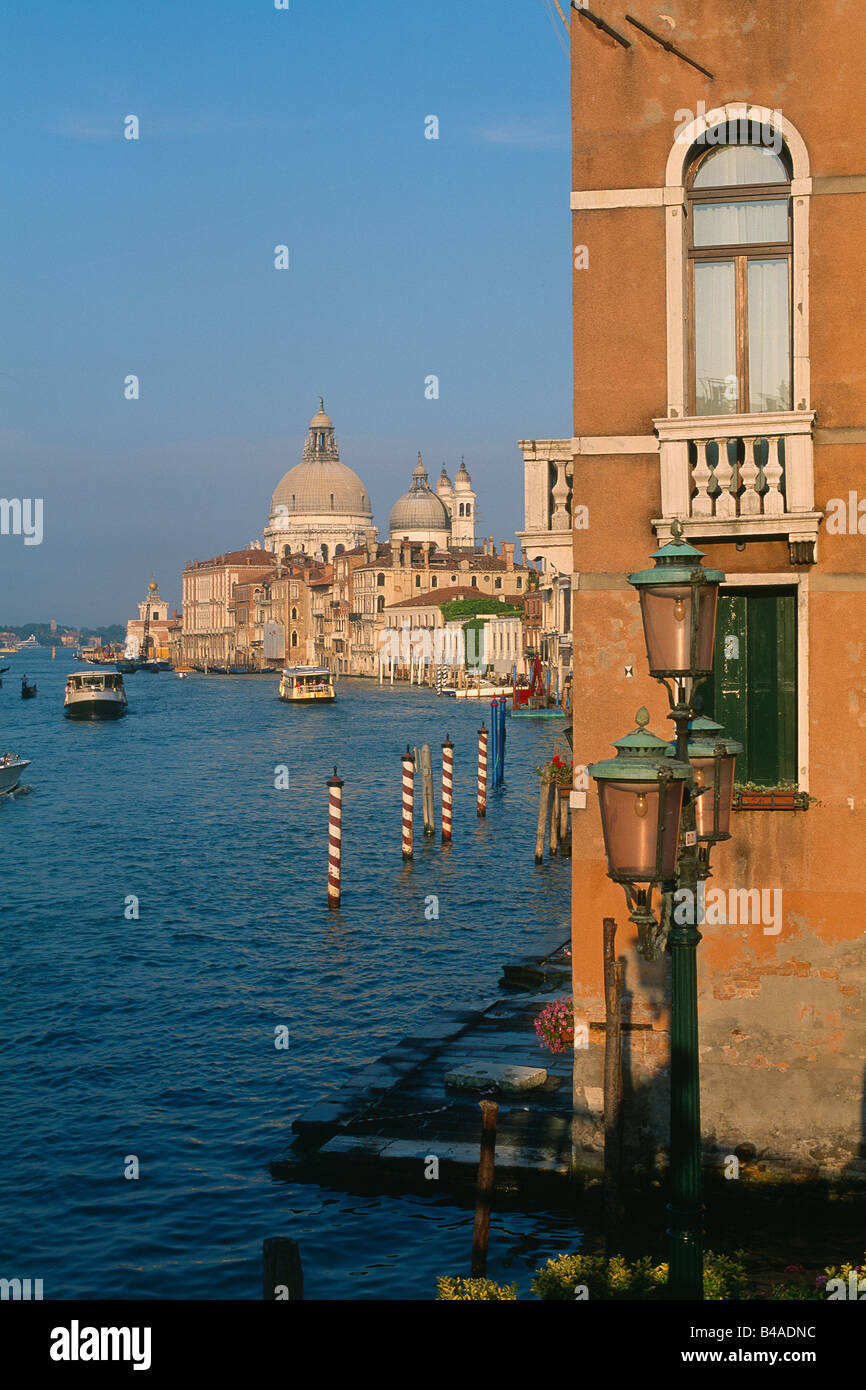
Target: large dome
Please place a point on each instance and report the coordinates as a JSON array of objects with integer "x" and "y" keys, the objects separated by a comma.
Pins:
[
  {"x": 419, "y": 509},
  {"x": 320, "y": 484},
  {"x": 313, "y": 487}
]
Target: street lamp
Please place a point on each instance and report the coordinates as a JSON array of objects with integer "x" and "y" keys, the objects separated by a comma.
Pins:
[
  {"x": 678, "y": 599},
  {"x": 640, "y": 794}
]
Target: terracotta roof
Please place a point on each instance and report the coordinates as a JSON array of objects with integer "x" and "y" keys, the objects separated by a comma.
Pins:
[
  {"x": 433, "y": 597},
  {"x": 263, "y": 558}
]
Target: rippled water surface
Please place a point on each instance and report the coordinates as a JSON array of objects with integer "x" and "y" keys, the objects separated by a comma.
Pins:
[{"x": 155, "y": 1037}]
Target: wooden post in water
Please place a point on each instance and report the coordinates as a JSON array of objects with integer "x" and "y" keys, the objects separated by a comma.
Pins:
[
  {"x": 564, "y": 836},
  {"x": 282, "y": 1275},
  {"x": 408, "y": 800},
  {"x": 427, "y": 804},
  {"x": 482, "y": 771},
  {"x": 543, "y": 800},
  {"x": 613, "y": 975},
  {"x": 447, "y": 786},
  {"x": 481, "y": 1232},
  {"x": 335, "y": 839},
  {"x": 554, "y": 817}
]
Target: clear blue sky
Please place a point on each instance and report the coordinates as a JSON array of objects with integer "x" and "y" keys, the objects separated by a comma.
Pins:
[{"x": 408, "y": 257}]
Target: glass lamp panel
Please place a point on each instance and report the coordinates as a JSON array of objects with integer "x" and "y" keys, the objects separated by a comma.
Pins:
[
  {"x": 708, "y": 596},
  {"x": 630, "y": 814},
  {"x": 726, "y": 793},
  {"x": 704, "y": 770},
  {"x": 667, "y": 625}
]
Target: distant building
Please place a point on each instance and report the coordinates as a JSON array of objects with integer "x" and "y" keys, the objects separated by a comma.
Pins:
[{"x": 147, "y": 636}]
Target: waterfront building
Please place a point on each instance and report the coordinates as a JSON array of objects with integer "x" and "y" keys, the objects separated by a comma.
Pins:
[
  {"x": 209, "y": 633},
  {"x": 320, "y": 507},
  {"x": 719, "y": 379},
  {"x": 153, "y": 615},
  {"x": 546, "y": 540}
]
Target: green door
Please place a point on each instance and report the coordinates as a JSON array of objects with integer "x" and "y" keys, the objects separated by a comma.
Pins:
[{"x": 753, "y": 689}]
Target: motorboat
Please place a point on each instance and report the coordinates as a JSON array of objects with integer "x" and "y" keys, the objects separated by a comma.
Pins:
[
  {"x": 94, "y": 695},
  {"x": 11, "y": 768},
  {"x": 306, "y": 685}
]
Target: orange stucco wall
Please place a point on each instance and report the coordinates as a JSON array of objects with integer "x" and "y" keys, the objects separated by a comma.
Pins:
[{"x": 793, "y": 1003}]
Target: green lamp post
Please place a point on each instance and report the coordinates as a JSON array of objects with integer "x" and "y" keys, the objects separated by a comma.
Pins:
[{"x": 678, "y": 599}]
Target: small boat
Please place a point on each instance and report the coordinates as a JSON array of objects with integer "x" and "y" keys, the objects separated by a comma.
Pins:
[
  {"x": 306, "y": 684},
  {"x": 94, "y": 695},
  {"x": 27, "y": 691},
  {"x": 11, "y": 768},
  {"x": 126, "y": 667}
]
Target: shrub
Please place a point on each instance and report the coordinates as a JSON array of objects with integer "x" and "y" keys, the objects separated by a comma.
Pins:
[
  {"x": 480, "y": 1290},
  {"x": 617, "y": 1278}
]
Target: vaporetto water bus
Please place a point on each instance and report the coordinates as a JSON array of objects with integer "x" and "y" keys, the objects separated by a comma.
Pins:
[
  {"x": 94, "y": 695},
  {"x": 306, "y": 685}
]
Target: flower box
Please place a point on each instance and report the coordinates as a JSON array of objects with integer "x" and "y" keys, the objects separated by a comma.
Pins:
[{"x": 770, "y": 799}]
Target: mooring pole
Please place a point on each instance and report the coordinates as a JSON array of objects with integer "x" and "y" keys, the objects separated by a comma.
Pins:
[
  {"x": 335, "y": 839},
  {"x": 482, "y": 771},
  {"x": 543, "y": 800},
  {"x": 447, "y": 786},
  {"x": 282, "y": 1275},
  {"x": 427, "y": 803},
  {"x": 481, "y": 1232},
  {"x": 408, "y": 800}
]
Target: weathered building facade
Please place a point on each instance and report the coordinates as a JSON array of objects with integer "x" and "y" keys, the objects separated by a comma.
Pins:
[{"x": 720, "y": 379}]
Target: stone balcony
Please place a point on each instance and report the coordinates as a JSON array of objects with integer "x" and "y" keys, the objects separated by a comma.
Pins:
[{"x": 732, "y": 477}]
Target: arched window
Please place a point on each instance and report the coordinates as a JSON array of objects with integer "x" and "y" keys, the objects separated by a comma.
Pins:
[
  {"x": 434, "y": 582},
  {"x": 380, "y": 580},
  {"x": 739, "y": 276},
  {"x": 497, "y": 584},
  {"x": 461, "y": 509},
  {"x": 294, "y": 639},
  {"x": 468, "y": 508},
  {"x": 380, "y": 604},
  {"x": 287, "y": 550},
  {"x": 474, "y": 582},
  {"x": 332, "y": 501},
  {"x": 294, "y": 614},
  {"x": 325, "y": 553},
  {"x": 417, "y": 581},
  {"x": 520, "y": 583}
]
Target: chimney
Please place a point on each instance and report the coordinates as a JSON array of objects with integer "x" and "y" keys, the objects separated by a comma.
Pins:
[
  {"x": 508, "y": 554},
  {"x": 427, "y": 555}
]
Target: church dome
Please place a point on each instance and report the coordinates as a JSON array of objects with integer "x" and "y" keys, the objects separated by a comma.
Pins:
[
  {"x": 321, "y": 483},
  {"x": 420, "y": 510}
]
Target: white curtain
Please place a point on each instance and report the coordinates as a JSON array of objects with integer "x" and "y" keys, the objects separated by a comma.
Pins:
[
  {"x": 716, "y": 390},
  {"x": 741, "y": 224},
  {"x": 769, "y": 336}
]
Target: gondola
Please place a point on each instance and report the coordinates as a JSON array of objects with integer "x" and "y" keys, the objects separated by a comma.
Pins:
[{"x": 27, "y": 691}]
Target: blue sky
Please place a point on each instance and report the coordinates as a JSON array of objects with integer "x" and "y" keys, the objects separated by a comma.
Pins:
[{"x": 409, "y": 257}]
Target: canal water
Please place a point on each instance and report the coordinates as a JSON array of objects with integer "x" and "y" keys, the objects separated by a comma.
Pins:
[{"x": 155, "y": 1037}]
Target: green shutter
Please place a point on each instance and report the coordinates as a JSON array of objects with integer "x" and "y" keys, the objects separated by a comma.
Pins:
[{"x": 753, "y": 690}]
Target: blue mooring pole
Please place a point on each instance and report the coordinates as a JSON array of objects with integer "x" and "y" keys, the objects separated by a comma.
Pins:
[
  {"x": 503, "y": 701},
  {"x": 494, "y": 731}
]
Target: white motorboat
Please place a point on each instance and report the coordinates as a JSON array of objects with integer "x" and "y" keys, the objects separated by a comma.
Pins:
[
  {"x": 11, "y": 768},
  {"x": 94, "y": 695}
]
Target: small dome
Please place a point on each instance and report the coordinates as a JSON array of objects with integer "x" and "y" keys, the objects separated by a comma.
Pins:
[
  {"x": 444, "y": 482},
  {"x": 461, "y": 477},
  {"x": 419, "y": 509}
]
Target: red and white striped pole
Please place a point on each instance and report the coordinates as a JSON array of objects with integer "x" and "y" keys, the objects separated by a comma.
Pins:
[
  {"x": 408, "y": 800},
  {"x": 482, "y": 771},
  {"x": 335, "y": 839},
  {"x": 447, "y": 786}
]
